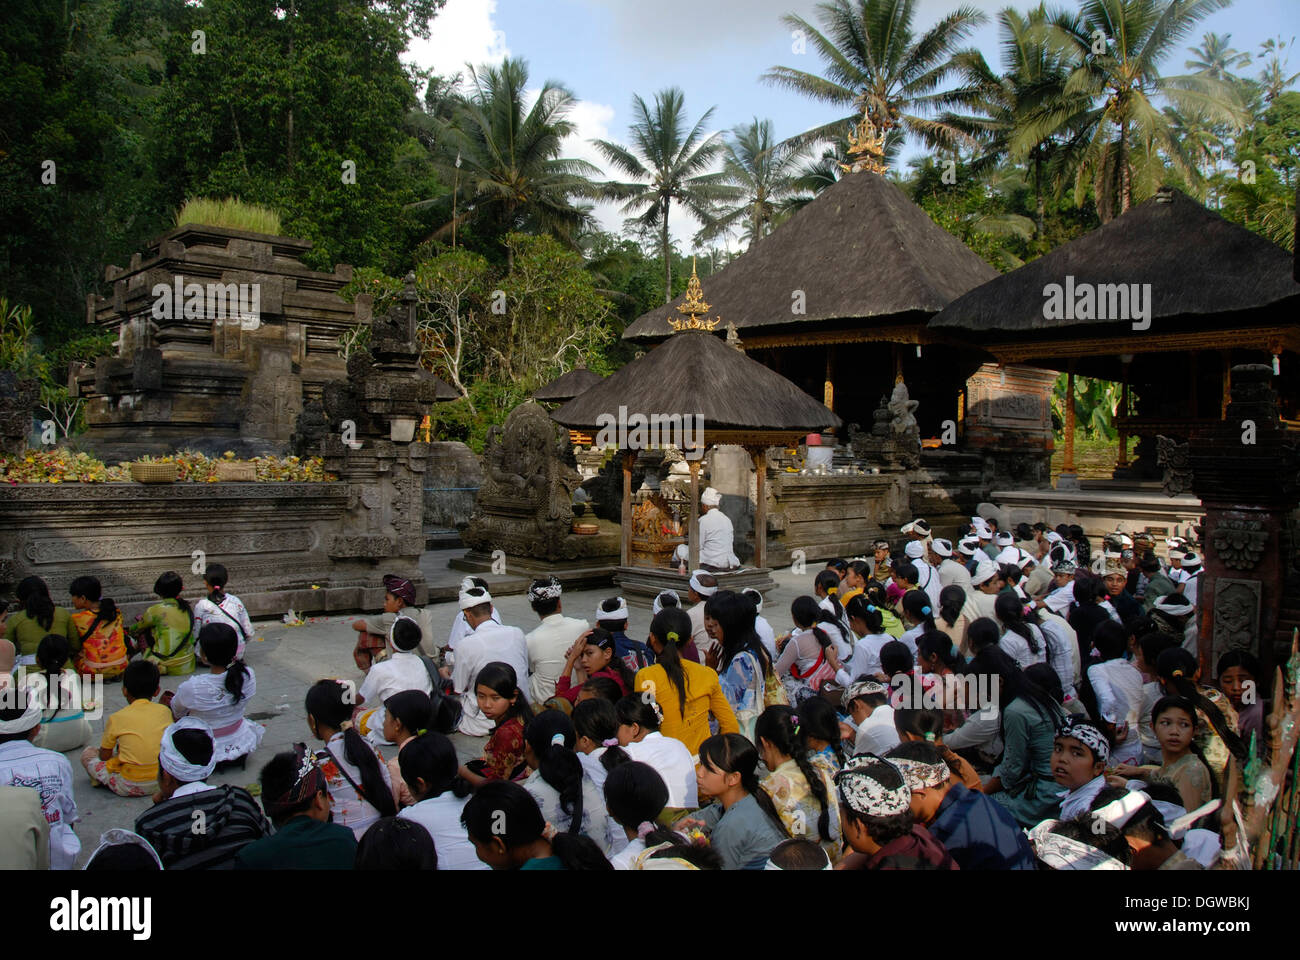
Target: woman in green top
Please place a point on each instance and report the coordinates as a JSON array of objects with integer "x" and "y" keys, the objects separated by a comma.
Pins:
[
  {"x": 1022, "y": 782},
  {"x": 506, "y": 827},
  {"x": 166, "y": 630},
  {"x": 26, "y": 628}
]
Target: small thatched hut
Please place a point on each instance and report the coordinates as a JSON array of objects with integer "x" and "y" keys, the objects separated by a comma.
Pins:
[
  {"x": 711, "y": 393},
  {"x": 567, "y": 386}
]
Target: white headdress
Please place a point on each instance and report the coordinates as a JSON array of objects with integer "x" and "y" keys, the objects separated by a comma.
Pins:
[{"x": 174, "y": 762}]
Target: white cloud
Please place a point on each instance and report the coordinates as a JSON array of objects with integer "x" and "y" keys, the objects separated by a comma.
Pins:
[{"x": 464, "y": 31}]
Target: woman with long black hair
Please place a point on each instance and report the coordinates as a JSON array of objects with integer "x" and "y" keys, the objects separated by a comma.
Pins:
[{"x": 743, "y": 665}]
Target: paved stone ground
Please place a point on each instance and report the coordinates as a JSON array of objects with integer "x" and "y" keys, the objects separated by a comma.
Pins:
[{"x": 287, "y": 660}]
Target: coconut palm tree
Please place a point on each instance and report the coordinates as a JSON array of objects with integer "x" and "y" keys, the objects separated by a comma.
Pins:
[
  {"x": 502, "y": 158},
  {"x": 667, "y": 162},
  {"x": 877, "y": 65},
  {"x": 765, "y": 172},
  {"x": 1215, "y": 58},
  {"x": 1035, "y": 70},
  {"x": 1112, "y": 129}
]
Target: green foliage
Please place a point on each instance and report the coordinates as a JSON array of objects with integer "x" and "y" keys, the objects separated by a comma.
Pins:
[
  {"x": 1095, "y": 404},
  {"x": 230, "y": 212},
  {"x": 18, "y": 347}
]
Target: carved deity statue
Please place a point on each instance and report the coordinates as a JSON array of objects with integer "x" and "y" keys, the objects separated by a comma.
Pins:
[{"x": 903, "y": 409}]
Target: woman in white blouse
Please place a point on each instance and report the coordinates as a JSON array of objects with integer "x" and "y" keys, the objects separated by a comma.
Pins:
[
  {"x": 429, "y": 767},
  {"x": 639, "y": 736}
]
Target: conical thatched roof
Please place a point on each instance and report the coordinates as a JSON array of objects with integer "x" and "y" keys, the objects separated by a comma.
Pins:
[
  {"x": 695, "y": 372},
  {"x": 567, "y": 385},
  {"x": 1198, "y": 265},
  {"x": 862, "y": 252}
]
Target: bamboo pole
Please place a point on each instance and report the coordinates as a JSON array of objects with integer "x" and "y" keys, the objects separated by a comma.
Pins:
[{"x": 694, "y": 528}]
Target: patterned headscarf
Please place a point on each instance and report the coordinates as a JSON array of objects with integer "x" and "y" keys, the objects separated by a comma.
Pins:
[
  {"x": 1065, "y": 853},
  {"x": 400, "y": 587},
  {"x": 546, "y": 589},
  {"x": 863, "y": 793},
  {"x": 920, "y": 775},
  {"x": 862, "y": 688},
  {"x": 1088, "y": 735},
  {"x": 308, "y": 782}
]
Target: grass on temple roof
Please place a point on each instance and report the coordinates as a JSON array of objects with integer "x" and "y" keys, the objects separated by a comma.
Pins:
[{"x": 230, "y": 212}]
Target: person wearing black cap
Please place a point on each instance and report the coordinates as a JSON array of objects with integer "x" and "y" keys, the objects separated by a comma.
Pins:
[{"x": 372, "y": 644}]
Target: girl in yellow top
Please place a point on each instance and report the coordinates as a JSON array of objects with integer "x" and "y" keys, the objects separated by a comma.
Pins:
[
  {"x": 855, "y": 582},
  {"x": 687, "y": 692}
]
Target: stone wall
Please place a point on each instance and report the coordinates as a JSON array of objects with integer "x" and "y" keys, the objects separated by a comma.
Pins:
[{"x": 274, "y": 538}]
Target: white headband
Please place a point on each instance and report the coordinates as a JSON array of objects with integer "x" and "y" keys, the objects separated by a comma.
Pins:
[
  {"x": 1170, "y": 605},
  {"x": 32, "y": 708},
  {"x": 659, "y": 600},
  {"x": 618, "y": 613},
  {"x": 710, "y": 497},
  {"x": 985, "y": 570},
  {"x": 472, "y": 595},
  {"x": 969, "y": 546},
  {"x": 171, "y": 759},
  {"x": 758, "y": 603},
  {"x": 1005, "y": 539},
  {"x": 118, "y": 837},
  {"x": 700, "y": 588},
  {"x": 942, "y": 547},
  {"x": 915, "y": 549}
]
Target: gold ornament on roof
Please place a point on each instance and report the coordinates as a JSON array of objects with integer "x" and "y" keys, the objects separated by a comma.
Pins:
[
  {"x": 866, "y": 146},
  {"x": 693, "y": 307}
]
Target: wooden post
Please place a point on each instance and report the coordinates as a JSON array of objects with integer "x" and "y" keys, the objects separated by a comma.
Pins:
[
  {"x": 693, "y": 531},
  {"x": 1227, "y": 384},
  {"x": 760, "y": 506},
  {"x": 828, "y": 388},
  {"x": 1068, "y": 480},
  {"x": 1122, "y": 462},
  {"x": 625, "y": 552}
]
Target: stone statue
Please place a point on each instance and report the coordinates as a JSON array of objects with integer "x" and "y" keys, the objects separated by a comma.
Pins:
[
  {"x": 903, "y": 423},
  {"x": 525, "y": 503}
]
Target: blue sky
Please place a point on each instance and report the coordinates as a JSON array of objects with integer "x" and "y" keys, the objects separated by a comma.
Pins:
[{"x": 605, "y": 51}]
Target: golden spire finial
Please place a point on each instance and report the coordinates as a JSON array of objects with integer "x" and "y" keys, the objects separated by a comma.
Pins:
[
  {"x": 866, "y": 146},
  {"x": 693, "y": 307}
]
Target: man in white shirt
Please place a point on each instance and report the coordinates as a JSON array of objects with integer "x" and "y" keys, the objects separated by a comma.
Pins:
[
  {"x": 703, "y": 586},
  {"x": 47, "y": 772},
  {"x": 717, "y": 537},
  {"x": 458, "y": 626},
  {"x": 950, "y": 571},
  {"x": 918, "y": 529},
  {"x": 487, "y": 642},
  {"x": 1191, "y": 571},
  {"x": 549, "y": 642},
  {"x": 867, "y": 702},
  {"x": 403, "y": 670},
  {"x": 926, "y": 577},
  {"x": 1060, "y": 597}
]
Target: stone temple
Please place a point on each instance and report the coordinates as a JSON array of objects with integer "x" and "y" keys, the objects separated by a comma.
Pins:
[{"x": 223, "y": 336}]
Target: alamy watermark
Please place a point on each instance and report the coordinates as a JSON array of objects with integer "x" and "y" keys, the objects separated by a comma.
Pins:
[
  {"x": 656, "y": 431},
  {"x": 69, "y": 693},
  {"x": 213, "y": 301},
  {"x": 1098, "y": 301},
  {"x": 975, "y": 692}
]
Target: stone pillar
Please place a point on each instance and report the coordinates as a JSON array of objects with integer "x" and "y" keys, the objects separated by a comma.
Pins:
[{"x": 1244, "y": 470}]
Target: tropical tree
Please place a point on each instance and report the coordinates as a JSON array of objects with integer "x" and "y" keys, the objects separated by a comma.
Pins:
[
  {"x": 1216, "y": 59},
  {"x": 1112, "y": 129},
  {"x": 877, "y": 65},
  {"x": 1273, "y": 78},
  {"x": 765, "y": 173},
  {"x": 1034, "y": 73},
  {"x": 666, "y": 163},
  {"x": 503, "y": 160}
]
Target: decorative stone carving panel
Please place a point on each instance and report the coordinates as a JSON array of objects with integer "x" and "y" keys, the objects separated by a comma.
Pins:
[
  {"x": 1236, "y": 615},
  {"x": 1240, "y": 544}
]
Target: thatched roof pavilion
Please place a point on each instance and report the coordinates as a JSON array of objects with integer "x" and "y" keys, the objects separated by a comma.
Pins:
[
  {"x": 567, "y": 386},
  {"x": 1167, "y": 297},
  {"x": 837, "y": 299},
  {"x": 697, "y": 378}
]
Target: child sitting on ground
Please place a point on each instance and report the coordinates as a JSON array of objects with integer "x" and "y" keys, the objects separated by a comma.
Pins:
[
  {"x": 220, "y": 696},
  {"x": 166, "y": 631},
  {"x": 126, "y": 760},
  {"x": 221, "y": 607},
  {"x": 63, "y": 724},
  {"x": 635, "y": 796},
  {"x": 372, "y": 639},
  {"x": 408, "y": 715},
  {"x": 28, "y": 766},
  {"x": 502, "y": 702},
  {"x": 98, "y": 625}
]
